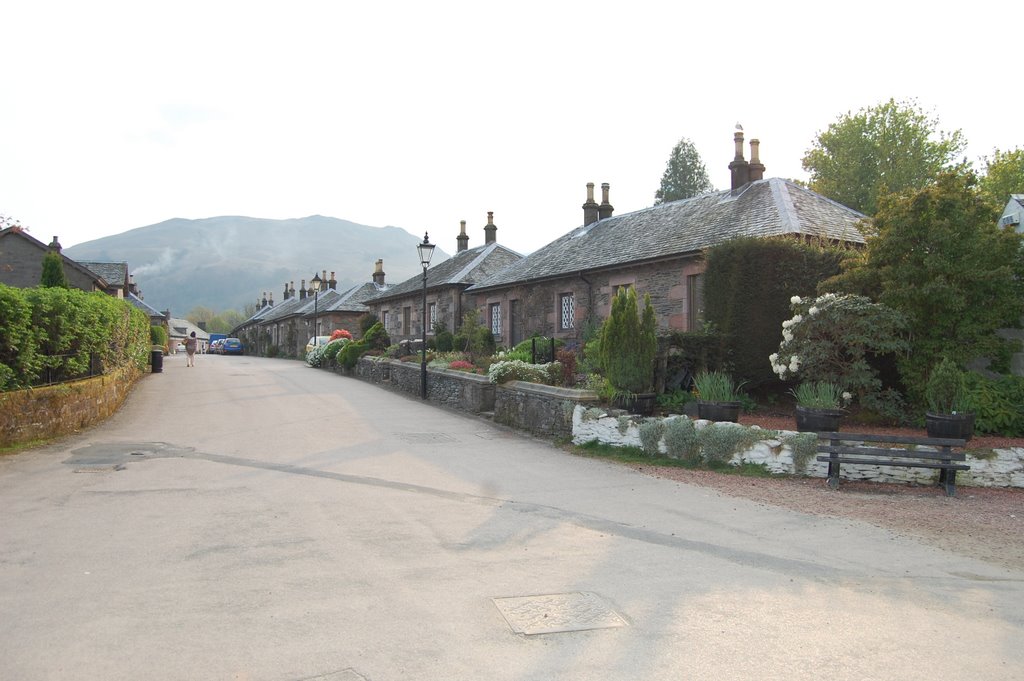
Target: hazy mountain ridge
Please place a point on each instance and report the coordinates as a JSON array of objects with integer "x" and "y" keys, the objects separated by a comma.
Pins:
[{"x": 228, "y": 261}]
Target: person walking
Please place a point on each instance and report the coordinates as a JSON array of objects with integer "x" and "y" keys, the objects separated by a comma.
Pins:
[{"x": 191, "y": 343}]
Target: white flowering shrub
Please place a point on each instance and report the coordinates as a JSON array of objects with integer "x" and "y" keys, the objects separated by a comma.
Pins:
[
  {"x": 518, "y": 370},
  {"x": 831, "y": 339}
]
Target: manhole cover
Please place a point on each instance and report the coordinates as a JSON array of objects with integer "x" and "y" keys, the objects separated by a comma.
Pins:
[
  {"x": 422, "y": 438},
  {"x": 554, "y": 613}
]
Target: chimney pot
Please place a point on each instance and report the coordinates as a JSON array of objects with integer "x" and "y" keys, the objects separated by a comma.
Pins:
[
  {"x": 490, "y": 230},
  {"x": 739, "y": 167},
  {"x": 378, "y": 272},
  {"x": 462, "y": 240},
  {"x": 756, "y": 167},
  {"x": 591, "y": 214},
  {"x": 606, "y": 209}
]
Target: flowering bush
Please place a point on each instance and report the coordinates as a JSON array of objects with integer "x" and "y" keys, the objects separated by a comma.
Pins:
[
  {"x": 517, "y": 370},
  {"x": 340, "y": 333},
  {"x": 829, "y": 339},
  {"x": 462, "y": 365}
]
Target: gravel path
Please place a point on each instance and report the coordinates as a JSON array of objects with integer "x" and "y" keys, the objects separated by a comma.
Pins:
[{"x": 980, "y": 522}]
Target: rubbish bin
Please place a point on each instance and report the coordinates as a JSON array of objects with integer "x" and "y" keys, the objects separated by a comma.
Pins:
[{"x": 156, "y": 359}]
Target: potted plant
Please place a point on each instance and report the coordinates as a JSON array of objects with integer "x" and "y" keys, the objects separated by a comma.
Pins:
[
  {"x": 626, "y": 354},
  {"x": 717, "y": 396},
  {"x": 819, "y": 406},
  {"x": 948, "y": 414}
]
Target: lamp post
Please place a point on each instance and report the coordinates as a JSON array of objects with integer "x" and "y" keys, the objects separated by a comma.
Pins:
[
  {"x": 426, "y": 250},
  {"x": 315, "y": 284}
]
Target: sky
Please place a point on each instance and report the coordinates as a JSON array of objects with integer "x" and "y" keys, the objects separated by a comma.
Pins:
[{"x": 118, "y": 115}]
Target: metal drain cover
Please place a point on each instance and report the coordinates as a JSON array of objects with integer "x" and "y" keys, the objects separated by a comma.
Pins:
[{"x": 554, "y": 613}]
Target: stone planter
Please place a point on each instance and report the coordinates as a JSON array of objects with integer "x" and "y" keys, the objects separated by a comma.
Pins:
[
  {"x": 812, "y": 420},
  {"x": 718, "y": 411},
  {"x": 957, "y": 426}
]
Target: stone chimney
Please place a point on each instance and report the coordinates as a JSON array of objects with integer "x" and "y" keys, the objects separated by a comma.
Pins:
[
  {"x": 378, "y": 269},
  {"x": 285, "y": 291},
  {"x": 332, "y": 283},
  {"x": 756, "y": 167},
  {"x": 291, "y": 289},
  {"x": 490, "y": 230},
  {"x": 55, "y": 245},
  {"x": 271, "y": 301},
  {"x": 591, "y": 210},
  {"x": 324, "y": 282},
  {"x": 302, "y": 290},
  {"x": 263, "y": 303},
  {"x": 463, "y": 238},
  {"x": 739, "y": 167},
  {"x": 201, "y": 325},
  {"x": 606, "y": 209}
]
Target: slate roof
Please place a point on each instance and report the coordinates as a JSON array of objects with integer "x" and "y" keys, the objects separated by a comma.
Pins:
[
  {"x": 181, "y": 328},
  {"x": 113, "y": 272},
  {"x": 460, "y": 269},
  {"x": 764, "y": 208},
  {"x": 138, "y": 302},
  {"x": 353, "y": 299},
  {"x": 15, "y": 232}
]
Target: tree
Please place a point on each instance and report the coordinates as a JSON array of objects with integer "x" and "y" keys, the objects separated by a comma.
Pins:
[
  {"x": 628, "y": 345},
  {"x": 938, "y": 256},
  {"x": 685, "y": 175},
  {"x": 1004, "y": 175},
  {"x": 891, "y": 147},
  {"x": 53, "y": 271}
]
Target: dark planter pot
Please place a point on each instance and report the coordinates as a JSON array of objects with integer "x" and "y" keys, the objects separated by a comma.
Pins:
[
  {"x": 641, "y": 404},
  {"x": 718, "y": 411},
  {"x": 810, "y": 420},
  {"x": 957, "y": 426}
]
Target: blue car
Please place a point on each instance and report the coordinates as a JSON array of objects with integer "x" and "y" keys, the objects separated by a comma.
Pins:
[{"x": 231, "y": 346}]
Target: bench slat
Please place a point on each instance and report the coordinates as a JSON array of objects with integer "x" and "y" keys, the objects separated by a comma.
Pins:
[
  {"x": 908, "y": 464},
  {"x": 895, "y": 453},
  {"x": 897, "y": 439}
]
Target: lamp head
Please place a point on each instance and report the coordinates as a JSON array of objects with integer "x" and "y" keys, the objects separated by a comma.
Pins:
[
  {"x": 315, "y": 282},
  {"x": 426, "y": 251}
]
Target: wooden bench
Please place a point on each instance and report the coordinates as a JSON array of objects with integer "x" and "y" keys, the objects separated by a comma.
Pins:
[{"x": 892, "y": 450}]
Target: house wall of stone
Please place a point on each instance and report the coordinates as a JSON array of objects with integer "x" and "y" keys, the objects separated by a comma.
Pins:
[
  {"x": 21, "y": 265},
  {"x": 449, "y": 311},
  {"x": 538, "y": 306}
]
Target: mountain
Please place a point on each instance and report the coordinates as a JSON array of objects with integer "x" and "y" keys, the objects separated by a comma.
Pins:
[{"x": 226, "y": 262}]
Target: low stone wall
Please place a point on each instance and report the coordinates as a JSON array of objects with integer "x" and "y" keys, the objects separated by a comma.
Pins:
[
  {"x": 989, "y": 468},
  {"x": 540, "y": 409},
  {"x": 455, "y": 389},
  {"x": 51, "y": 411}
]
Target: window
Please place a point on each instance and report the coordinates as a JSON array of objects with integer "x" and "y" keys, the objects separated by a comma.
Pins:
[
  {"x": 496, "y": 319},
  {"x": 620, "y": 287},
  {"x": 568, "y": 308},
  {"x": 384, "y": 319},
  {"x": 406, "y": 321},
  {"x": 694, "y": 302},
  {"x": 432, "y": 316}
]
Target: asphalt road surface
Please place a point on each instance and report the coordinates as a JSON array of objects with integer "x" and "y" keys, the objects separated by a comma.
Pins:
[{"x": 258, "y": 519}]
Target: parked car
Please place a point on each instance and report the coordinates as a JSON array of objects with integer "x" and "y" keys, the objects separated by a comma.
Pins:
[
  {"x": 316, "y": 340},
  {"x": 231, "y": 346},
  {"x": 215, "y": 346}
]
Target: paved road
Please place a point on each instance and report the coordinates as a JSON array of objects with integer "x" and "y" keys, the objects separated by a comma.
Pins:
[{"x": 257, "y": 519}]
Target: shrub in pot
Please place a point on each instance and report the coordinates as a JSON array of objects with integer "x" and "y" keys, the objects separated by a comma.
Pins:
[
  {"x": 819, "y": 406},
  {"x": 718, "y": 396},
  {"x": 948, "y": 413},
  {"x": 627, "y": 349}
]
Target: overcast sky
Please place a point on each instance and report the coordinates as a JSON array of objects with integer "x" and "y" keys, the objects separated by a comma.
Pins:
[{"x": 421, "y": 114}]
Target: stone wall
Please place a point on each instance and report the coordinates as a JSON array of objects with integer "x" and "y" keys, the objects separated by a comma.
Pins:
[
  {"x": 38, "y": 413},
  {"x": 455, "y": 389},
  {"x": 540, "y": 409},
  {"x": 989, "y": 468}
]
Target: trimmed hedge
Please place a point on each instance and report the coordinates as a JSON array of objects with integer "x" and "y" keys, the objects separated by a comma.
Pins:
[
  {"x": 48, "y": 335},
  {"x": 747, "y": 287}
]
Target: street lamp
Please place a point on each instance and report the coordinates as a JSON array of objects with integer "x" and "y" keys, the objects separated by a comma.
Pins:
[
  {"x": 315, "y": 284},
  {"x": 426, "y": 250}
]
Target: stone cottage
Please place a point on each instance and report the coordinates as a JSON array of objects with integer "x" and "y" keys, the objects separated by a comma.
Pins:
[
  {"x": 400, "y": 308},
  {"x": 21, "y": 263},
  {"x": 569, "y": 283}
]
